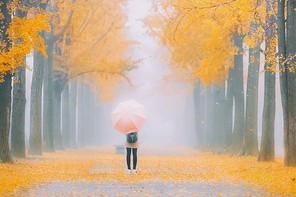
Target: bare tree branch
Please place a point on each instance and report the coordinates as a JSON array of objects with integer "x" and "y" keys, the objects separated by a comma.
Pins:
[
  {"x": 86, "y": 20},
  {"x": 217, "y": 5},
  {"x": 61, "y": 32},
  {"x": 104, "y": 35},
  {"x": 122, "y": 74}
]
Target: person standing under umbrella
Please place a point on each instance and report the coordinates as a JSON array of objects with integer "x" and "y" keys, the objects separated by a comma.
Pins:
[
  {"x": 128, "y": 117},
  {"x": 132, "y": 145}
]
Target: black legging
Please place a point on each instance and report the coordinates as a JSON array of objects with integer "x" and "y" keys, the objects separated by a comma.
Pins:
[{"x": 128, "y": 157}]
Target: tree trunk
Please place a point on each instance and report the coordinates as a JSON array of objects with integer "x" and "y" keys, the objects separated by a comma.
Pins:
[
  {"x": 81, "y": 113},
  {"x": 238, "y": 90},
  {"x": 290, "y": 128},
  {"x": 267, "y": 140},
  {"x": 73, "y": 108},
  {"x": 48, "y": 100},
  {"x": 66, "y": 117},
  {"x": 19, "y": 107},
  {"x": 250, "y": 142},
  {"x": 209, "y": 118},
  {"x": 218, "y": 118},
  {"x": 5, "y": 88},
  {"x": 284, "y": 76},
  {"x": 90, "y": 116},
  {"x": 199, "y": 102},
  {"x": 97, "y": 123},
  {"x": 284, "y": 71},
  {"x": 5, "y": 108},
  {"x": 57, "y": 136},
  {"x": 202, "y": 118},
  {"x": 229, "y": 110},
  {"x": 18, "y": 114},
  {"x": 35, "y": 140},
  {"x": 87, "y": 111}
]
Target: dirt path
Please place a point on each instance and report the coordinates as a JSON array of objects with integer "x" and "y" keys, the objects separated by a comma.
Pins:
[
  {"x": 98, "y": 171},
  {"x": 139, "y": 189}
]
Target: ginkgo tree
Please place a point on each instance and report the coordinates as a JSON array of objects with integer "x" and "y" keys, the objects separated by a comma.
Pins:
[
  {"x": 200, "y": 33},
  {"x": 89, "y": 41},
  {"x": 18, "y": 37},
  {"x": 267, "y": 145},
  {"x": 205, "y": 40},
  {"x": 286, "y": 29}
]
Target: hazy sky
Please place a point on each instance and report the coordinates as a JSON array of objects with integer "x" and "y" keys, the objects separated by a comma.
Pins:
[{"x": 169, "y": 106}]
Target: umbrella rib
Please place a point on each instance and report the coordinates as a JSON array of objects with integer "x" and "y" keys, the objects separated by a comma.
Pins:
[
  {"x": 133, "y": 114},
  {"x": 132, "y": 119}
]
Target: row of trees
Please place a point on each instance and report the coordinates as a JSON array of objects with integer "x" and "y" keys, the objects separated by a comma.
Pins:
[
  {"x": 79, "y": 49},
  {"x": 207, "y": 40}
]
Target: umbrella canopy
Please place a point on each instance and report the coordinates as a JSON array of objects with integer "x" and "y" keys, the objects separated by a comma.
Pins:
[{"x": 128, "y": 116}]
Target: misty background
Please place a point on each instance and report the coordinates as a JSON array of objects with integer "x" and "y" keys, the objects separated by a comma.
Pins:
[{"x": 169, "y": 104}]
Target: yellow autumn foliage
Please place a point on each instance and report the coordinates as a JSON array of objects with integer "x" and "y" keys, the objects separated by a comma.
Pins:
[
  {"x": 103, "y": 165},
  {"x": 24, "y": 35},
  {"x": 199, "y": 34},
  {"x": 94, "y": 44}
]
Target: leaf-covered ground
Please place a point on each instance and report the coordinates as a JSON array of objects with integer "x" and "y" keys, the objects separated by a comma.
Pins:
[
  {"x": 149, "y": 188},
  {"x": 104, "y": 166}
]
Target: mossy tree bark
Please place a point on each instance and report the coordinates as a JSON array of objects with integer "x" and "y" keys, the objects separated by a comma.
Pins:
[
  {"x": 287, "y": 51},
  {"x": 267, "y": 150},
  {"x": 5, "y": 88},
  {"x": 35, "y": 139},
  {"x": 238, "y": 92},
  {"x": 250, "y": 141}
]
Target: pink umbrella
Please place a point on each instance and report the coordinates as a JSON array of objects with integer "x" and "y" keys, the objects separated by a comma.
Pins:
[{"x": 128, "y": 116}]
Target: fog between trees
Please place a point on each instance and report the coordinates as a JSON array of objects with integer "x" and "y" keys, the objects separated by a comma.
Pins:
[{"x": 235, "y": 101}]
